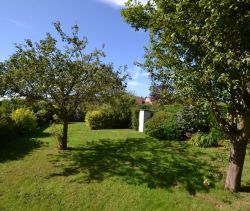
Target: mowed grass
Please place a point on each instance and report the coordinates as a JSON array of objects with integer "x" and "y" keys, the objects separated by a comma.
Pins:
[{"x": 115, "y": 170}]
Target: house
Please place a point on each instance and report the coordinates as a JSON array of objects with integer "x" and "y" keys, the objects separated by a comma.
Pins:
[
  {"x": 144, "y": 100},
  {"x": 139, "y": 100},
  {"x": 148, "y": 101}
]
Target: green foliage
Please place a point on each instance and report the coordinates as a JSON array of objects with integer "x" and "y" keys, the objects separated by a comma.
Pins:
[
  {"x": 194, "y": 119},
  {"x": 155, "y": 126},
  {"x": 43, "y": 111},
  {"x": 199, "y": 118},
  {"x": 6, "y": 128},
  {"x": 78, "y": 115},
  {"x": 106, "y": 118},
  {"x": 202, "y": 49},
  {"x": 206, "y": 140},
  {"x": 217, "y": 134},
  {"x": 63, "y": 77},
  {"x": 172, "y": 108},
  {"x": 171, "y": 129},
  {"x": 122, "y": 106},
  {"x": 98, "y": 120},
  {"x": 2, "y": 79},
  {"x": 24, "y": 120},
  {"x": 43, "y": 116},
  {"x": 163, "y": 94},
  {"x": 135, "y": 118},
  {"x": 117, "y": 114},
  {"x": 164, "y": 124},
  {"x": 6, "y": 107},
  {"x": 56, "y": 119}
]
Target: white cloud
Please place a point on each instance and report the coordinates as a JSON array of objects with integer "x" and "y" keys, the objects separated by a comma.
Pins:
[
  {"x": 119, "y": 3},
  {"x": 139, "y": 83},
  {"x": 134, "y": 83},
  {"x": 145, "y": 74},
  {"x": 137, "y": 75}
]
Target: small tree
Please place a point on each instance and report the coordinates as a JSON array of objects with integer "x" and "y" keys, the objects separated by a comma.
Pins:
[
  {"x": 204, "y": 48},
  {"x": 63, "y": 77}
]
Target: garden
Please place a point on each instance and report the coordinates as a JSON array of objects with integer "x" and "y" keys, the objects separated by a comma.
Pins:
[
  {"x": 69, "y": 135},
  {"x": 110, "y": 168},
  {"x": 118, "y": 169}
]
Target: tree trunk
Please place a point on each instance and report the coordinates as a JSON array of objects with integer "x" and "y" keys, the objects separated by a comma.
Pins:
[
  {"x": 236, "y": 161},
  {"x": 64, "y": 139}
]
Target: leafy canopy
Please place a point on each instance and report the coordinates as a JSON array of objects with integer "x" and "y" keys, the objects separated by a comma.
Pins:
[
  {"x": 63, "y": 76},
  {"x": 202, "y": 48}
]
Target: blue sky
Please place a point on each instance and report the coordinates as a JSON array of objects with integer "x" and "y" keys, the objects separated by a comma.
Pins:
[{"x": 99, "y": 21}]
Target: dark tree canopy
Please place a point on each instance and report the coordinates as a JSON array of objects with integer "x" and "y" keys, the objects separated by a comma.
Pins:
[
  {"x": 62, "y": 76},
  {"x": 204, "y": 48},
  {"x": 163, "y": 94}
]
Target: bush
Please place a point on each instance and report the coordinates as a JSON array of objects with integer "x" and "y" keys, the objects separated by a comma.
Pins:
[
  {"x": 199, "y": 118},
  {"x": 78, "y": 115},
  {"x": 97, "y": 120},
  {"x": 56, "y": 119},
  {"x": 206, "y": 140},
  {"x": 173, "y": 108},
  {"x": 217, "y": 134},
  {"x": 171, "y": 129},
  {"x": 44, "y": 116},
  {"x": 155, "y": 126},
  {"x": 135, "y": 118},
  {"x": 24, "y": 120},
  {"x": 194, "y": 119},
  {"x": 163, "y": 125},
  {"x": 6, "y": 128},
  {"x": 105, "y": 119}
]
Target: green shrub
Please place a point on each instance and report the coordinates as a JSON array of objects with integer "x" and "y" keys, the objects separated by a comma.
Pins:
[
  {"x": 195, "y": 140},
  {"x": 108, "y": 117},
  {"x": 24, "y": 120},
  {"x": 163, "y": 125},
  {"x": 171, "y": 129},
  {"x": 56, "y": 118},
  {"x": 44, "y": 113},
  {"x": 6, "y": 129},
  {"x": 194, "y": 119},
  {"x": 43, "y": 116},
  {"x": 199, "y": 118},
  {"x": 100, "y": 119},
  {"x": 135, "y": 118},
  {"x": 173, "y": 108},
  {"x": 217, "y": 134},
  {"x": 206, "y": 140},
  {"x": 155, "y": 126}
]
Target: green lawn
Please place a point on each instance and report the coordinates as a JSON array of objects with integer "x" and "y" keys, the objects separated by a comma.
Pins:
[{"x": 114, "y": 170}]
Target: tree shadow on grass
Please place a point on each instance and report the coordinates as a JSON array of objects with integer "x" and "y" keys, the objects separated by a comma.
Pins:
[
  {"x": 16, "y": 147},
  {"x": 140, "y": 161}
]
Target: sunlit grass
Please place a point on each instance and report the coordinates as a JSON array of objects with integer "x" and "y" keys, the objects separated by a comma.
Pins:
[{"x": 114, "y": 170}]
